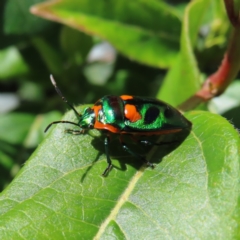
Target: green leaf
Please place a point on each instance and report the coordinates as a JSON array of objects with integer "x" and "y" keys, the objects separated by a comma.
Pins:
[
  {"x": 36, "y": 129},
  {"x": 11, "y": 63},
  {"x": 18, "y": 128},
  {"x": 75, "y": 44},
  {"x": 6, "y": 162},
  {"x": 20, "y": 133},
  {"x": 144, "y": 30},
  {"x": 183, "y": 80},
  {"x": 18, "y": 20},
  {"x": 192, "y": 193},
  {"x": 219, "y": 25},
  {"x": 52, "y": 58},
  {"x": 14, "y": 127}
]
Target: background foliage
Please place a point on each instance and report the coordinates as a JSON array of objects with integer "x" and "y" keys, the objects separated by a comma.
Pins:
[{"x": 161, "y": 49}]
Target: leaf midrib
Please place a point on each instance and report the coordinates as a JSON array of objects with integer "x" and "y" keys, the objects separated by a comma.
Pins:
[{"x": 124, "y": 197}]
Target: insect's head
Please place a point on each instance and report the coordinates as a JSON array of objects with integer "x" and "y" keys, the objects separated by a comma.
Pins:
[{"x": 87, "y": 119}]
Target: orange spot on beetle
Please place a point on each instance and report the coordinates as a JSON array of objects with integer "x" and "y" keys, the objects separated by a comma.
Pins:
[
  {"x": 126, "y": 97},
  {"x": 98, "y": 125},
  {"x": 131, "y": 113}
]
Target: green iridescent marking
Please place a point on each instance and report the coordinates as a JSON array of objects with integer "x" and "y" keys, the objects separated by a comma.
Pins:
[
  {"x": 112, "y": 111},
  {"x": 156, "y": 124}
]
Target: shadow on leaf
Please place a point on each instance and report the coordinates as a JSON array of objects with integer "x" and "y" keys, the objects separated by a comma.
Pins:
[{"x": 163, "y": 146}]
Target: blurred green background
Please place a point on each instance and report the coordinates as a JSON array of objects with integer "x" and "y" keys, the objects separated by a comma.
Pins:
[{"x": 143, "y": 40}]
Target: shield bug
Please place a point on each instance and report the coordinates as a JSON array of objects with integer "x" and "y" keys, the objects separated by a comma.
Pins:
[{"x": 126, "y": 115}]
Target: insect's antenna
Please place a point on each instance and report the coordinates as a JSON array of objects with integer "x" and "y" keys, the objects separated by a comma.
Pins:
[
  {"x": 56, "y": 122},
  {"x": 61, "y": 95}
]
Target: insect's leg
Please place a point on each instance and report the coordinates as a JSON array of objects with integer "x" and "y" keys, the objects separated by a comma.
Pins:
[
  {"x": 57, "y": 122},
  {"x": 75, "y": 132},
  {"x": 143, "y": 159},
  {"x": 106, "y": 145}
]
